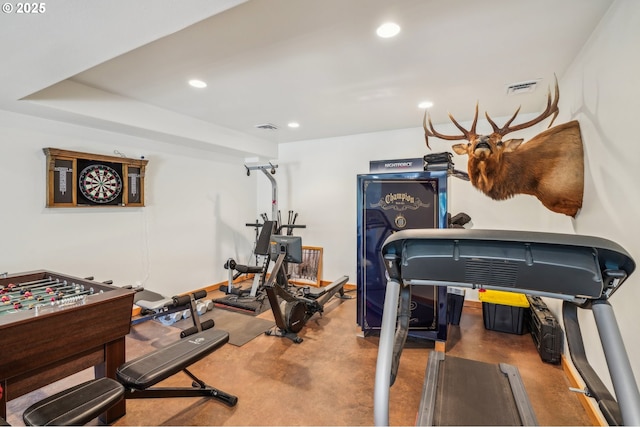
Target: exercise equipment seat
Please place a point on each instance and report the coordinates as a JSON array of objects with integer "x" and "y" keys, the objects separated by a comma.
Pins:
[
  {"x": 75, "y": 406},
  {"x": 141, "y": 374},
  {"x": 149, "y": 369}
]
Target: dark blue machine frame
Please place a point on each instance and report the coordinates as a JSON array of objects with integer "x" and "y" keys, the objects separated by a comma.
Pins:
[{"x": 374, "y": 225}]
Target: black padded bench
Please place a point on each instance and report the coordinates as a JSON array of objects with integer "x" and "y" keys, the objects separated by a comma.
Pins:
[
  {"x": 75, "y": 406},
  {"x": 82, "y": 403},
  {"x": 138, "y": 375}
]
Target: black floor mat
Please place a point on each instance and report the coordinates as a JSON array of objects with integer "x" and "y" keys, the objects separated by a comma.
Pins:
[
  {"x": 241, "y": 327},
  {"x": 248, "y": 305}
]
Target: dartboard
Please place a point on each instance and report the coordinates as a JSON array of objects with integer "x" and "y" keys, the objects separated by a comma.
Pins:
[{"x": 100, "y": 183}]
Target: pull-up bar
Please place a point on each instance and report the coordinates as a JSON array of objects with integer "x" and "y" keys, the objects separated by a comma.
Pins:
[{"x": 274, "y": 185}]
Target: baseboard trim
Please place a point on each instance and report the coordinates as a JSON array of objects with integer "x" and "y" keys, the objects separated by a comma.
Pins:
[
  {"x": 589, "y": 405},
  {"x": 214, "y": 287}
]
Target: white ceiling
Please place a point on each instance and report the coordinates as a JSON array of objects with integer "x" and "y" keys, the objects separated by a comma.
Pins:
[{"x": 317, "y": 62}]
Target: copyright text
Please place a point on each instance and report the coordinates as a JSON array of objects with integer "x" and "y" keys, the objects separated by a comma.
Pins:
[{"x": 24, "y": 8}]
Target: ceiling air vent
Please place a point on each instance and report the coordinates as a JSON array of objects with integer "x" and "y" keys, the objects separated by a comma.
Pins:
[
  {"x": 267, "y": 126},
  {"x": 522, "y": 87}
]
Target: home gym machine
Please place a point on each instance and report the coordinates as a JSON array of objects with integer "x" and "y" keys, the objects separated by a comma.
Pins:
[
  {"x": 252, "y": 299},
  {"x": 293, "y": 306},
  {"x": 581, "y": 271},
  {"x": 269, "y": 169},
  {"x": 235, "y": 270}
]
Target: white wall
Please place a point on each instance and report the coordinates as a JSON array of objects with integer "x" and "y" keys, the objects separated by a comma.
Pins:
[
  {"x": 193, "y": 219},
  {"x": 318, "y": 178},
  {"x": 601, "y": 91}
]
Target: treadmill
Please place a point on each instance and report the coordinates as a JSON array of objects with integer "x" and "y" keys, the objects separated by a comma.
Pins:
[{"x": 582, "y": 271}]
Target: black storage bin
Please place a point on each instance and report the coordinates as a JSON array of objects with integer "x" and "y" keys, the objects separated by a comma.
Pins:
[
  {"x": 545, "y": 330},
  {"x": 504, "y": 311},
  {"x": 503, "y": 318}
]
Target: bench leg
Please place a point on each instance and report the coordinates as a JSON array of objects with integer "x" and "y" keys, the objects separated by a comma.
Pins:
[{"x": 199, "y": 389}]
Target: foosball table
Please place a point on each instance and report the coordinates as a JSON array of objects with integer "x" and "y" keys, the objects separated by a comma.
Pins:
[{"x": 54, "y": 325}]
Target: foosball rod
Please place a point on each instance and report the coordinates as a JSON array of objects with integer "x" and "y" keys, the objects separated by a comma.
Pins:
[
  {"x": 32, "y": 303},
  {"x": 66, "y": 299},
  {"x": 47, "y": 284},
  {"x": 41, "y": 283},
  {"x": 41, "y": 292},
  {"x": 27, "y": 299},
  {"x": 9, "y": 307},
  {"x": 57, "y": 295},
  {"x": 52, "y": 286},
  {"x": 36, "y": 281},
  {"x": 21, "y": 287},
  {"x": 49, "y": 304}
]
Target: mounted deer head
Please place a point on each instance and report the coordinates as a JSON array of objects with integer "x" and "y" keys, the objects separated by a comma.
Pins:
[{"x": 549, "y": 166}]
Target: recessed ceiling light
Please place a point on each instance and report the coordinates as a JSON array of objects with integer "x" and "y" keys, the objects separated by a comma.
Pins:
[
  {"x": 425, "y": 104},
  {"x": 388, "y": 29},
  {"x": 197, "y": 83},
  {"x": 294, "y": 125}
]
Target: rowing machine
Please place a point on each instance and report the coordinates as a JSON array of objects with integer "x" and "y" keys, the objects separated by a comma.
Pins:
[{"x": 292, "y": 307}]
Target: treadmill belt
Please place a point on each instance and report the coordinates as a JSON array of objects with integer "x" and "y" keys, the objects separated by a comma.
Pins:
[
  {"x": 474, "y": 393},
  {"x": 469, "y": 393}
]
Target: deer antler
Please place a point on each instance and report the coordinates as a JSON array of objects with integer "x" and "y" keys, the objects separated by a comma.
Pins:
[
  {"x": 466, "y": 134},
  {"x": 552, "y": 109}
]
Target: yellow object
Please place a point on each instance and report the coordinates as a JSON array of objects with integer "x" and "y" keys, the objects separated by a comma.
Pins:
[{"x": 505, "y": 298}]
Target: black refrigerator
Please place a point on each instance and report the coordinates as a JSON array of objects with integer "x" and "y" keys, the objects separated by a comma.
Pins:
[{"x": 390, "y": 202}]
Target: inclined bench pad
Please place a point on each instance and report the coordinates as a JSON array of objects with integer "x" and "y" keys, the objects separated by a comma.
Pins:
[
  {"x": 248, "y": 269},
  {"x": 77, "y": 405},
  {"x": 154, "y": 305},
  {"x": 150, "y": 369}
]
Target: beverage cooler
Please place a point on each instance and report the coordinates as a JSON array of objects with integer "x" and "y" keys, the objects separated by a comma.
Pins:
[{"x": 390, "y": 202}]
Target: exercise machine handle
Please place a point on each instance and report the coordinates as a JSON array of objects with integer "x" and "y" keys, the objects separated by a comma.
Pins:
[
  {"x": 186, "y": 299},
  {"x": 199, "y": 294},
  {"x": 181, "y": 300},
  {"x": 207, "y": 324}
]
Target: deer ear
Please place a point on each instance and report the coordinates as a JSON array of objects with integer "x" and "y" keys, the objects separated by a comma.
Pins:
[
  {"x": 460, "y": 148},
  {"x": 512, "y": 144}
]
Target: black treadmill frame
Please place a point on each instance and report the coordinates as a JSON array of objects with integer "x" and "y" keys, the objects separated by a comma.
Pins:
[{"x": 583, "y": 271}]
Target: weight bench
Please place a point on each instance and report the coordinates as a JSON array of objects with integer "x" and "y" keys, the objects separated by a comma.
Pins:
[
  {"x": 136, "y": 378},
  {"x": 170, "y": 310},
  {"x": 77, "y": 405},
  {"x": 140, "y": 374}
]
